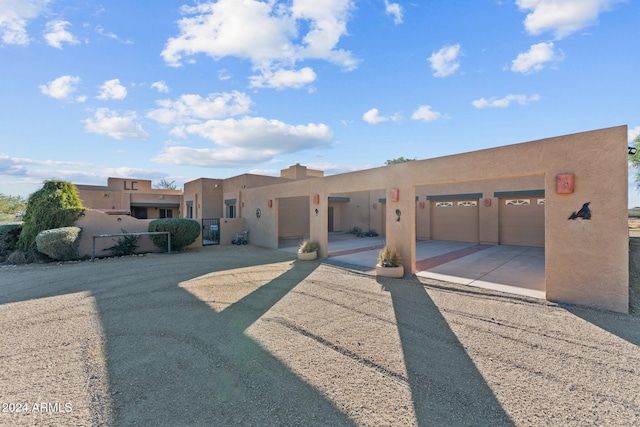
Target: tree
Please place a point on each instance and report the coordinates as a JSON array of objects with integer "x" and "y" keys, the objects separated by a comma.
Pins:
[
  {"x": 12, "y": 204},
  {"x": 55, "y": 205},
  {"x": 635, "y": 161},
  {"x": 398, "y": 160},
  {"x": 163, "y": 184}
]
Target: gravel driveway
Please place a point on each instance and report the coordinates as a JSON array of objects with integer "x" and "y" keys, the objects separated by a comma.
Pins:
[{"x": 248, "y": 336}]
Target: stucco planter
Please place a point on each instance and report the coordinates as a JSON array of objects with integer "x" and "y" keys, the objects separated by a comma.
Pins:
[
  {"x": 395, "y": 272},
  {"x": 307, "y": 256}
]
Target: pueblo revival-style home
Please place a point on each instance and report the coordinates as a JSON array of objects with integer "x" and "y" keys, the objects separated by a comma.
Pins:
[{"x": 522, "y": 194}]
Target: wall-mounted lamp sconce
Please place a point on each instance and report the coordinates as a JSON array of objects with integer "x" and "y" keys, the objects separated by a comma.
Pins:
[
  {"x": 395, "y": 194},
  {"x": 632, "y": 150},
  {"x": 270, "y": 203},
  {"x": 242, "y": 205},
  {"x": 565, "y": 183},
  {"x": 487, "y": 202},
  {"x": 422, "y": 205},
  {"x": 375, "y": 206},
  {"x": 316, "y": 212},
  {"x": 316, "y": 199}
]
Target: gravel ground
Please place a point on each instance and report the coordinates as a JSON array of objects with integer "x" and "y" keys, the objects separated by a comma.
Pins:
[{"x": 242, "y": 335}]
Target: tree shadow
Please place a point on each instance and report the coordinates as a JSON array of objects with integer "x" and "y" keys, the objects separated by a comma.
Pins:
[
  {"x": 173, "y": 360},
  {"x": 446, "y": 387}
]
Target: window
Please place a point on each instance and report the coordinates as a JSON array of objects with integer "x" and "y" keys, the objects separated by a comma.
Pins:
[
  {"x": 189, "y": 211},
  {"x": 166, "y": 213},
  {"x": 231, "y": 211}
]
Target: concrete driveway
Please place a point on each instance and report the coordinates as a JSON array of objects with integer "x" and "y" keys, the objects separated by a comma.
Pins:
[{"x": 513, "y": 269}]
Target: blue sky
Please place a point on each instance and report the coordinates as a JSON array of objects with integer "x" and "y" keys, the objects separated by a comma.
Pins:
[{"x": 178, "y": 90}]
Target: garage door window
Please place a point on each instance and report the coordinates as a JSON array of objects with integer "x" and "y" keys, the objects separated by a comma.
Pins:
[
  {"x": 518, "y": 202},
  {"x": 468, "y": 204},
  {"x": 444, "y": 205}
]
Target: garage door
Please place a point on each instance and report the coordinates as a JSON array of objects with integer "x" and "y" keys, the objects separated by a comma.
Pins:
[
  {"x": 522, "y": 221},
  {"x": 455, "y": 220}
]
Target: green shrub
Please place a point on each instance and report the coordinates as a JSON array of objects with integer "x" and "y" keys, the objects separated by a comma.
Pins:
[
  {"x": 60, "y": 244},
  {"x": 55, "y": 205},
  {"x": 9, "y": 234},
  {"x": 28, "y": 257},
  {"x": 183, "y": 232},
  {"x": 125, "y": 245}
]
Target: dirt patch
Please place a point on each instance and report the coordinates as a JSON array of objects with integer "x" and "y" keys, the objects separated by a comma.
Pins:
[{"x": 241, "y": 335}]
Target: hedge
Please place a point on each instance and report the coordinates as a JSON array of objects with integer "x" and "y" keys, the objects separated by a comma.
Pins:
[
  {"x": 9, "y": 234},
  {"x": 55, "y": 205},
  {"x": 183, "y": 232}
]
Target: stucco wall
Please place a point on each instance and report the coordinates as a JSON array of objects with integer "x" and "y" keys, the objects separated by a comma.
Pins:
[
  {"x": 293, "y": 218},
  {"x": 206, "y": 195},
  {"x": 95, "y": 222},
  {"x": 586, "y": 260}
]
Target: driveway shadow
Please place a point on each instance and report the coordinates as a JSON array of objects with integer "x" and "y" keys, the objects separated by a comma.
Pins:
[
  {"x": 173, "y": 360},
  {"x": 446, "y": 386}
]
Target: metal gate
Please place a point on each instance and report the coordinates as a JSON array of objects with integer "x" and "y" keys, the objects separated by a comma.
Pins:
[{"x": 210, "y": 231}]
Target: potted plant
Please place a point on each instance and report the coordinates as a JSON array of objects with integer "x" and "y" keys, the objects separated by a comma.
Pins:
[
  {"x": 389, "y": 263},
  {"x": 308, "y": 250}
]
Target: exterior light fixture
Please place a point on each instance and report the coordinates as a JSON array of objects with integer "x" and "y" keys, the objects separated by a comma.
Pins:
[
  {"x": 565, "y": 183},
  {"x": 632, "y": 150}
]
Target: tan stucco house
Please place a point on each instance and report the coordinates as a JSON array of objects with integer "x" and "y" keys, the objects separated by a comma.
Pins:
[
  {"x": 134, "y": 197},
  {"x": 520, "y": 194}
]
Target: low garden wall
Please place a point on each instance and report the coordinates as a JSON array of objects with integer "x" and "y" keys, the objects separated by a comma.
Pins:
[{"x": 95, "y": 222}]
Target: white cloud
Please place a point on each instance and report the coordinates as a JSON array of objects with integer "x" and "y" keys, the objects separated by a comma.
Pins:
[
  {"x": 425, "y": 113},
  {"x": 108, "y": 122},
  {"x": 505, "y": 102},
  {"x": 536, "y": 58},
  {"x": 192, "y": 108},
  {"x": 56, "y": 34},
  {"x": 633, "y": 133},
  {"x": 562, "y": 17},
  {"x": 445, "y": 61},
  {"x": 281, "y": 79},
  {"x": 246, "y": 141},
  {"x": 160, "y": 86},
  {"x": 212, "y": 157},
  {"x": 223, "y": 75},
  {"x": 112, "y": 89},
  {"x": 395, "y": 10},
  {"x": 373, "y": 116},
  {"x": 218, "y": 29},
  {"x": 14, "y": 17},
  {"x": 259, "y": 133},
  {"x": 62, "y": 88}
]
